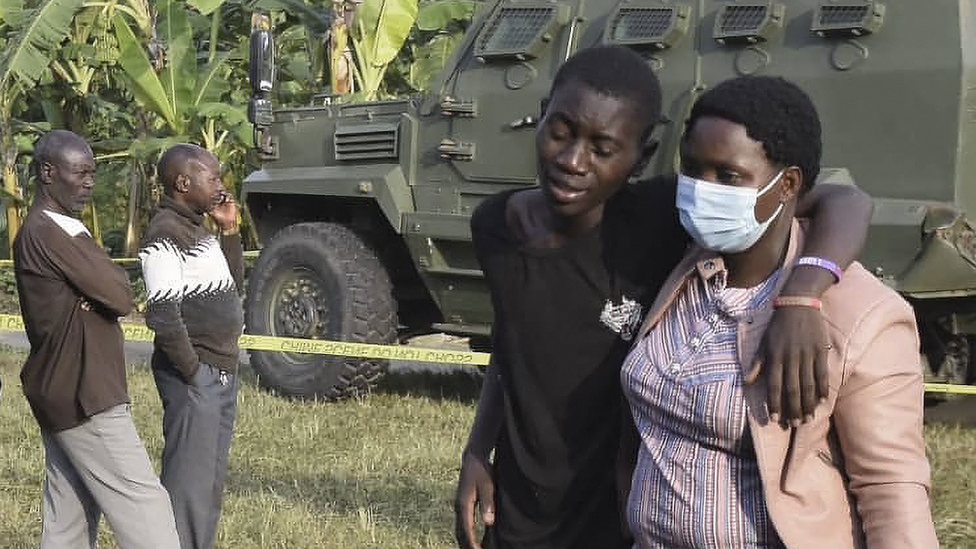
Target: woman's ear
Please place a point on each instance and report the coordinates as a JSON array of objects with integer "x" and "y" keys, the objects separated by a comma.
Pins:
[{"x": 792, "y": 183}]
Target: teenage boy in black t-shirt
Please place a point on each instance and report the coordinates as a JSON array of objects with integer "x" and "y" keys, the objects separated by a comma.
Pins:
[{"x": 572, "y": 265}]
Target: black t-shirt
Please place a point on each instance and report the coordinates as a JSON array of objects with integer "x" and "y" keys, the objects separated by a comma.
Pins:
[{"x": 557, "y": 345}]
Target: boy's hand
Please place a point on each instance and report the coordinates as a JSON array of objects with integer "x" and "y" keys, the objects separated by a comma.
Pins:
[
  {"x": 225, "y": 213},
  {"x": 476, "y": 487},
  {"x": 793, "y": 357}
]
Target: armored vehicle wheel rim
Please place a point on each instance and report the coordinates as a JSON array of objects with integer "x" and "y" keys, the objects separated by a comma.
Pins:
[{"x": 299, "y": 309}]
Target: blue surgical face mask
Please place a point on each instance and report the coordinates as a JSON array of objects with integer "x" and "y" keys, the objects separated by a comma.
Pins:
[{"x": 722, "y": 218}]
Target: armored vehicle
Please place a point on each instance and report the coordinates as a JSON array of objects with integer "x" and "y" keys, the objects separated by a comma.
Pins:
[{"x": 363, "y": 208}]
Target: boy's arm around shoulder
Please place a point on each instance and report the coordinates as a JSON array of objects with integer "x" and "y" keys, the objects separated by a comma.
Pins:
[
  {"x": 878, "y": 419},
  {"x": 839, "y": 218}
]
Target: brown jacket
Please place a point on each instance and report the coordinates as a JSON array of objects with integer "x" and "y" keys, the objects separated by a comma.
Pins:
[
  {"x": 76, "y": 366},
  {"x": 856, "y": 476}
]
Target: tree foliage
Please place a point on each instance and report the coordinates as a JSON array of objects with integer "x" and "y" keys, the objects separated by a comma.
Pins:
[{"x": 134, "y": 76}]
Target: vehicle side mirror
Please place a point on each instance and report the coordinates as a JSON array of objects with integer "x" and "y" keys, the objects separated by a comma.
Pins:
[{"x": 261, "y": 69}]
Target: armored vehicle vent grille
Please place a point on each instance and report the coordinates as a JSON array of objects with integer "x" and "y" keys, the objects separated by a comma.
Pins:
[
  {"x": 366, "y": 142},
  {"x": 848, "y": 19},
  {"x": 515, "y": 29},
  {"x": 658, "y": 27},
  {"x": 749, "y": 23},
  {"x": 842, "y": 15},
  {"x": 636, "y": 23},
  {"x": 738, "y": 19}
]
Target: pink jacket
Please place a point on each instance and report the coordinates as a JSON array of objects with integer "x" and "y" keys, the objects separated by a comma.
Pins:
[{"x": 856, "y": 476}]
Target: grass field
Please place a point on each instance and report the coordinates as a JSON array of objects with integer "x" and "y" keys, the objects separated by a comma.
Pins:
[{"x": 373, "y": 472}]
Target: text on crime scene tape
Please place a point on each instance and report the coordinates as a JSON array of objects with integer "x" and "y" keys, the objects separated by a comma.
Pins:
[{"x": 139, "y": 332}]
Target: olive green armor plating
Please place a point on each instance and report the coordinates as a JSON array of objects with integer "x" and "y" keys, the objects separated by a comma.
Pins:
[{"x": 389, "y": 186}]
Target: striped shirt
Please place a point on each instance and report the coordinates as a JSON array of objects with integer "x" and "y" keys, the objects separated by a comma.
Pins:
[{"x": 696, "y": 484}]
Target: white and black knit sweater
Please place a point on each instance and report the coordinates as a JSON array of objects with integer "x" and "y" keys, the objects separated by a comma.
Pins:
[{"x": 192, "y": 280}]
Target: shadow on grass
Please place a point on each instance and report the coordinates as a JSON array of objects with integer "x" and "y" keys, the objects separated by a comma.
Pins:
[
  {"x": 960, "y": 411},
  {"x": 414, "y": 504},
  {"x": 247, "y": 376},
  {"x": 463, "y": 386}
]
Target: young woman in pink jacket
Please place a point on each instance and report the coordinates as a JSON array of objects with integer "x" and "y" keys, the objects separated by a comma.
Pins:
[{"x": 713, "y": 469}]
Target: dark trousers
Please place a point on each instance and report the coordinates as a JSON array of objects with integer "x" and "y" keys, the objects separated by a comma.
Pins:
[{"x": 198, "y": 423}]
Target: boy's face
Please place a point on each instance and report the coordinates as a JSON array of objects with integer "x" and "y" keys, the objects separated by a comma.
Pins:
[{"x": 588, "y": 145}]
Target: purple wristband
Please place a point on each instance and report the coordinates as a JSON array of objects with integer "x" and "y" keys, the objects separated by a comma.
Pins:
[{"x": 823, "y": 264}]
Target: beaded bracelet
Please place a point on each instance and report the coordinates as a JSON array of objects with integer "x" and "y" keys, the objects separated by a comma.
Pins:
[
  {"x": 797, "y": 301},
  {"x": 822, "y": 263}
]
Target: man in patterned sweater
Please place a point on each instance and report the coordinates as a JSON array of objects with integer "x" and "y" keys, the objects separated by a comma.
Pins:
[{"x": 194, "y": 306}]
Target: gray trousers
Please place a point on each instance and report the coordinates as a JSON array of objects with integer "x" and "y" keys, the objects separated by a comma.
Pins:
[
  {"x": 101, "y": 467},
  {"x": 198, "y": 424}
]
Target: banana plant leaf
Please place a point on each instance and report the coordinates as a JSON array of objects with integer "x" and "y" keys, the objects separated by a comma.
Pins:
[
  {"x": 206, "y": 7},
  {"x": 10, "y": 7},
  {"x": 212, "y": 81},
  {"x": 430, "y": 58},
  {"x": 180, "y": 73},
  {"x": 39, "y": 32},
  {"x": 315, "y": 18},
  {"x": 232, "y": 118},
  {"x": 143, "y": 82},
  {"x": 148, "y": 149},
  {"x": 381, "y": 28},
  {"x": 230, "y": 114},
  {"x": 434, "y": 16}
]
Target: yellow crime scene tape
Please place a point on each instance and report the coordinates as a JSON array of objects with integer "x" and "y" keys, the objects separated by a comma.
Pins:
[
  {"x": 139, "y": 332},
  {"x": 950, "y": 388},
  {"x": 250, "y": 254}
]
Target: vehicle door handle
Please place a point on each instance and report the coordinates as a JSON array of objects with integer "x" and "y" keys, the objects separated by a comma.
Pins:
[{"x": 524, "y": 122}]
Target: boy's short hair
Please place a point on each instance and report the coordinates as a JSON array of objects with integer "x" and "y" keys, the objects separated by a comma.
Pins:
[
  {"x": 774, "y": 112},
  {"x": 615, "y": 71}
]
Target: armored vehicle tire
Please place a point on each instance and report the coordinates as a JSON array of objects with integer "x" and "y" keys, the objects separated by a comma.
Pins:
[{"x": 319, "y": 281}]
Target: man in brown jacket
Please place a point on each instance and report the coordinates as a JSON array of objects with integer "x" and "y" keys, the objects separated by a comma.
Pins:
[{"x": 71, "y": 297}]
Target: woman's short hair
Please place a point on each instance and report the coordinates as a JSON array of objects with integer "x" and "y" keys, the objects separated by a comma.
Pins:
[{"x": 774, "y": 112}]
